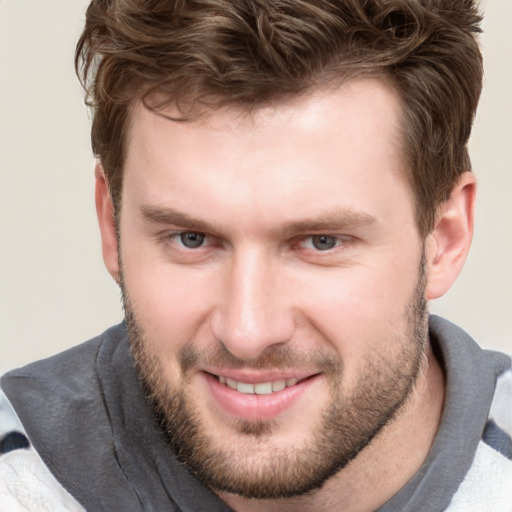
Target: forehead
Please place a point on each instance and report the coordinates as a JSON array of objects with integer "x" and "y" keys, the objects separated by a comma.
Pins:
[
  {"x": 326, "y": 146},
  {"x": 371, "y": 96}
]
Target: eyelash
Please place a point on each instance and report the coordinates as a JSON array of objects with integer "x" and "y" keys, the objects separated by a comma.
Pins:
[
  {"x": 338, "y": 240},
  {"x": 299, "y": 243},
  {"x": 177, "y": 239}
]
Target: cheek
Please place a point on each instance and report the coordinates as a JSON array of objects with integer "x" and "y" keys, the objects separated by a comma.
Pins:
[
  {"x": 358, "y": 309},
  {"x": 171, "y": 304}
]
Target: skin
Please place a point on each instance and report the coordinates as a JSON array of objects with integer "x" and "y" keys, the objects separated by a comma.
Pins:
[{"x": 260, "y": 186}]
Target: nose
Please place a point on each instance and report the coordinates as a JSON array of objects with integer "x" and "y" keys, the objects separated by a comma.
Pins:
[{"x": 254, "y": 310}]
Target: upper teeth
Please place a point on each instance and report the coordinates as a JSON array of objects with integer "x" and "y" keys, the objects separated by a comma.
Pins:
[{"x": 263, "y": 388}]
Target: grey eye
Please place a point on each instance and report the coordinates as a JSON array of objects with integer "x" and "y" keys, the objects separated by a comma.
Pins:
[
  {"x": 192, "y": 240},
  {"x": 323, "y": 242}
]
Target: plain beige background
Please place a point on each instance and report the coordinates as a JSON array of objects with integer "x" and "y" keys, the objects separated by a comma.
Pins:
[{"x": 54, "y": 290}]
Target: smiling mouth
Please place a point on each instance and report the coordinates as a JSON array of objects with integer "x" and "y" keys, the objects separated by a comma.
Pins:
[
  {"x": 261, "y": 388},
  {"x": 263, "y": 397}
]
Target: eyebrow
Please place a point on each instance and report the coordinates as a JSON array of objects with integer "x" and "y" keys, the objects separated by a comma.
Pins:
[
  {"x": 335, "y": 220},
  {"x": 170, "y": 216}
]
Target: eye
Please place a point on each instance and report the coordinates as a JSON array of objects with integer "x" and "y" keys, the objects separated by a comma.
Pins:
[
  {"x": 191, "y": 239},
  {"x": 321, "y": 242}
]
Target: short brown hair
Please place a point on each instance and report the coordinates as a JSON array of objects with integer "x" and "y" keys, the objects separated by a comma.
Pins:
[{"x": 212, "y": 53}]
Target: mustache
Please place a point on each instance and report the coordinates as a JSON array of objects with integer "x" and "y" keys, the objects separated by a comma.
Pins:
[
  {"x": 193, "y": 355},
  {"x": 275, "y": 357}
]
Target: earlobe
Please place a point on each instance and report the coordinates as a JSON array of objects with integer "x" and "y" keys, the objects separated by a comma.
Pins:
[
  {"x": 448, "y": 243},
  {"x": 106, "y": 219}
]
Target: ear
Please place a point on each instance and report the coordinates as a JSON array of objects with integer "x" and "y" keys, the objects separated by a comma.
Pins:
[
  {"x": 448, "y": 243},
  {"x": 106, "y": 219}
]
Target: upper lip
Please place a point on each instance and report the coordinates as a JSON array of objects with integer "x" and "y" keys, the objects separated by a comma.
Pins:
[{"x": 257, "y": 376}]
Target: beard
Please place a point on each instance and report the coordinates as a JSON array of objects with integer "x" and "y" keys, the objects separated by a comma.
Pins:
[{"x": 248, "y": 464}]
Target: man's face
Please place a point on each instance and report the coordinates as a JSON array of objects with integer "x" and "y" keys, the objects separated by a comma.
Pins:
[{"x": 271, "y": 269}]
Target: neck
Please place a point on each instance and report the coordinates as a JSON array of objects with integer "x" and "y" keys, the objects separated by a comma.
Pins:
[{"x": 384, "y": 466}]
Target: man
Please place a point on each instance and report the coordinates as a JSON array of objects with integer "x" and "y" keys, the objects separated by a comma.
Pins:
[{"x": 281, "y": 187}]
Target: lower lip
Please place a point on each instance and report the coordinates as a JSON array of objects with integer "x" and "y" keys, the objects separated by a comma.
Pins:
[{"x": 256, "y": 407}]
